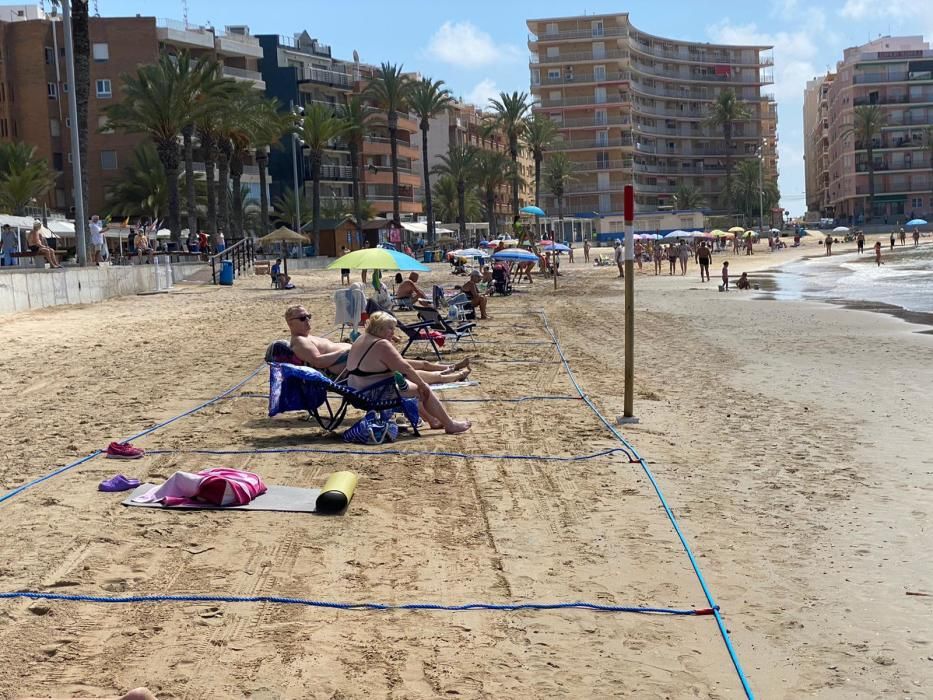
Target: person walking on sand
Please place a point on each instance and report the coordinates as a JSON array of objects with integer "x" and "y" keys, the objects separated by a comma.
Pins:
[
  {"x": 902, "y": 235},
  {"x": 749, "y": 249},
  {"x": 620, "y": 257},
  {"x": 683, "y": 252},
  {"x": 658, "y": 255},
  {"x": 703, "y": 258},
  {"x": 586, "y": 251},
  {"x": 878, "y": 254},
  {"x": 916, "y": 237},
  {"x": 570, "y": 252},
  {"x": 725, "y": 276},
  {"x": 892, "y": 240},
  {"x": 860, "y": 242},
  {"x": 829, "y": 245},
  {"x": 639, "y": 253}
]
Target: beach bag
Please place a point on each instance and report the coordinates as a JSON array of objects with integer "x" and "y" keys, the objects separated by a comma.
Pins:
[
  {"x": 372, "y": 429},
  {"x": 229, "y": 487}
]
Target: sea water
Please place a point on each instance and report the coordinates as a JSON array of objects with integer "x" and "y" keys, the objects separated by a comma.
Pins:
[{"x": 905, "y": 278}]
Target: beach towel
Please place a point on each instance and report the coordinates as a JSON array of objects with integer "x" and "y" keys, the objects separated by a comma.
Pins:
[
  {"x": 454, "y": 385},
  {"x": 350, "y": 304},
  {"x": 217, "y": 487},
  {"x": 289, "y": 499}
]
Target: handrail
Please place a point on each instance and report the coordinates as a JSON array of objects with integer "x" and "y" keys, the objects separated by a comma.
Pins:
[{"x": 240, "y": 254}]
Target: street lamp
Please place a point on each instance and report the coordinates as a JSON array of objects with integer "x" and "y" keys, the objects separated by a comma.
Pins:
[
  {"x": 298, "y": 113},
  {"x": 80, "y": 220},
  {"x": 761, "y": 167}
]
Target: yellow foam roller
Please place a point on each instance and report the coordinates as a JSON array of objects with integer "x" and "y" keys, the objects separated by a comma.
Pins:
[{"x": 337, "y": 492}]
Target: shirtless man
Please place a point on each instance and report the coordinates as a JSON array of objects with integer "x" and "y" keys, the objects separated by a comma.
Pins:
[
  {"x": 331, "y": 357},
  {"x": 409, "y": 289},
  {"x": 36, "y": 242}
]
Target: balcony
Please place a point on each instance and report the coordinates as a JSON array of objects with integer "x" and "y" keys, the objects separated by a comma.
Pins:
[
  {"x": 697, "y": 170},
  {"x": 915, "y": 141},
  {"x": 326, "y": 77},
  {"x": 578, "y": 34},
  {"x": 592, "y": 122},
  {"x": 687, "y": 56},
  {"x": 336, "y": 172},
  {"x": 580, "y": 57},
  {"x": 764, "y": 77},
  {"x": 234, "y": 44},
  {"x": 170, "y": 31},
  {"x": 916, "y": 184},
  {"x": 616, "y": 142},
  {"x": 583, "y": 101},
  {"x": 893, "y": 77},
  {"x": 254, "y": 77},
  {"x": 593, "y": 187},
  {"x": 894, "y": 100},
  {"x": 380, "y": 146},
  {"x": 596, "y": 165},
  {"x": 677, "y": 114},
  {"x": 892, "y": 167},
  {"x": 704, "y": 96},
  {"x": 908, "y": 119},
  {"x": 315, "y": 49},
  {"x": 570, "y": 78}
]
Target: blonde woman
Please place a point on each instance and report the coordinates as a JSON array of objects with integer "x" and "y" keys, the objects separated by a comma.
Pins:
[{"x": 373, "y": 358}]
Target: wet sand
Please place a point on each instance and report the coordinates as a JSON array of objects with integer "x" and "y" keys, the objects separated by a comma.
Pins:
[{"x": 783, "y": 434}]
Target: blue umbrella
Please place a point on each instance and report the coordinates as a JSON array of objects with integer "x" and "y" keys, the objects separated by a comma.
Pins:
[
  {"x": 536, "y": 211},
  {"x": 677, "y": 234},
  {"x": 556, "y": 247},
  {"x": 469, "y": 253},
  {"x": 916, "y": 222},
  {"x": 515, "y": 255}
]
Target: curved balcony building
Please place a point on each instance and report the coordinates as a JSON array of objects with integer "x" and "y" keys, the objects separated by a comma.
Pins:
[{"x": 631, "y": 107}]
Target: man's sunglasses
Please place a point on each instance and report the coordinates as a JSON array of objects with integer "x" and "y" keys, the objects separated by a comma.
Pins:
[{"x": 301, "y": 318}]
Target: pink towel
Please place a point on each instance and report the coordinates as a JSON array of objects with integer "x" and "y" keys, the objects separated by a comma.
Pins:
[{"x": 218, "y": 486}]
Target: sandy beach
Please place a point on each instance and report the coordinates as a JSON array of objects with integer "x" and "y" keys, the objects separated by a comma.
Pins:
[{"x": 791, "y": 440}]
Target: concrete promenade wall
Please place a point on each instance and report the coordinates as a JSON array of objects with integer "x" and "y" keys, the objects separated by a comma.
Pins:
[{"x": 29, "y": 288}]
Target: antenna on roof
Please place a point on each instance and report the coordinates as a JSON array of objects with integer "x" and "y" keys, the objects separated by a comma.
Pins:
[{"x": 184, "y": 7}]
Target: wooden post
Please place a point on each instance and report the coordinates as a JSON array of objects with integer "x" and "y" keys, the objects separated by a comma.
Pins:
[{"x": 629, "y": 301}]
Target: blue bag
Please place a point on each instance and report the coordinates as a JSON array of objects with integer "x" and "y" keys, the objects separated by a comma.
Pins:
[{"x": 372, "y": 429}]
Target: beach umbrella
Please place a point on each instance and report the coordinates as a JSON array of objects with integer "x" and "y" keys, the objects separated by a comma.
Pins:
[
  {"x": 736, "y": 229},
  {"x": 284, "y": 235},
  {"x": 676, "y": 234},
  {"x": 469, "y": 253},
  {"x": 916, "y": 222},
  {"x": 841, "y": 229},
  {"x": 534, "y": 211},
  {"x": 515, "y": 255},
  {"x": 556, "y": 248},
  {"x": 377, "y": 259},
  {"x": 487, "y": 244}
]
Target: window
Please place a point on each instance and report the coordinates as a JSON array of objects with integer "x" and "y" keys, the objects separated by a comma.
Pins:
[
  {"x": 53, "y": 91},
  {"x": 108, "y": 160},
  {"x": 916, "y": 202},
  {"x": 602, "y": 138},
  {"x": 101, "y": 53},
  {"x": 58, "y": 162},
  {"x": 550, "y": 28},
  {"x": 553, "y": 51},
  {"x": 602, "y": 160},
  {"x": 599, "y": 72},
  {"x": 553, "y": 74},
  {"x": 103, "y": 89},
  {"x": 601, "y": 117},
  {"x": 597, "y": 28},
  {"x": 49, "y": 56},
  {"x": 55, "y": 127}
]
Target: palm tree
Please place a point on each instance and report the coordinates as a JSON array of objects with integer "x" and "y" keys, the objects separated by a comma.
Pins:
[
  {"x": 459, "y": 163},
  {"x": 156, "y": 103},
  {"x": 745, "y": 187},
  {"x": 509, "y": 113},
  {"x": 928, "y": 145},
  {"x": 446, "y": 200},
  {"x": 724, "y": 113},
  {"x": 428, "y": 99},
  {"x": 23, "y": 177},
  {"x": 319, "y": 129},
  {"x": 558, "y": 172},
  {"x": 251, "y": 112},
  {"x": 247, "y": 208},
  {"x": 389, "y": 90},
  {"x": 284, "y": 208},
  {"x": 270, "y": 130},
  {"x": 688, "y": 197},
  {"x": 493, "y": 170},
  {"x": 540, "y": 133},
  {"x": 356, "y": 117},
  {"x": 869, "y": 120}
]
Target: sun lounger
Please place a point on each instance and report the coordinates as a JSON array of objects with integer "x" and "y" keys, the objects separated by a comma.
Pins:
[
  {"x": 293, "y": 388},
  {"x": 441, "y": 324}
]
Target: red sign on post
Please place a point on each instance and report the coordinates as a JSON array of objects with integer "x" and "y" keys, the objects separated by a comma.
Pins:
[{"x": 629, "y": 210}]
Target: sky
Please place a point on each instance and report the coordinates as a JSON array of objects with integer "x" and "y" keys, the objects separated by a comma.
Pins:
[{"x": 479, "y": 48}]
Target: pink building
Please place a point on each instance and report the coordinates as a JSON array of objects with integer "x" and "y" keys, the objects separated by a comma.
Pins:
[{"x": 895, "y": 73}]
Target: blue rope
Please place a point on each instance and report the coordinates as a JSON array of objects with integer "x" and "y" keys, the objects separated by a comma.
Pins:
[
  {"x": 403, "y": 453},
  {"x": 195, "y": 598},
  {"x": 667, "y": 509},
  {"x": 446, "y": 400},
  {"x": 61, "y": 470}
]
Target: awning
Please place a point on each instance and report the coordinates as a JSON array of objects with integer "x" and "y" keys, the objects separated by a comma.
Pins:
[{"x": 422, "y": 228}]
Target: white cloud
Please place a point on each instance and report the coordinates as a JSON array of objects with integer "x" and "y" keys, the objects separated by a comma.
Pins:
[
  {"x": 916, "y": 16},
  {"x": 482, "y": 92},
  {"x": 466, "y": 45}
]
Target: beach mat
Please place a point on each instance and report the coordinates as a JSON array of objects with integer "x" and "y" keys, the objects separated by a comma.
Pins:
[
  {"x": 454, "y": 385},
  {"x": 288, "y": 499}
]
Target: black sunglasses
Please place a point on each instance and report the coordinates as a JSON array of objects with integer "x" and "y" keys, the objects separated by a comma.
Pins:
[{"x": 302, "y": 318}]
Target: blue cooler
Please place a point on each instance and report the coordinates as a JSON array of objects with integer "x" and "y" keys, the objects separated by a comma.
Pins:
[
  {"x": 226, "y": 272},
  {"x": 427, "y": 256}
]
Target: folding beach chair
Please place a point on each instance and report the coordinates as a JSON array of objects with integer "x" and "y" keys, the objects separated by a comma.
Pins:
[
  {"x": 349, "y": 304},
  {"x": 293, "y": 388},
  {"x": 456, "y": 333}
]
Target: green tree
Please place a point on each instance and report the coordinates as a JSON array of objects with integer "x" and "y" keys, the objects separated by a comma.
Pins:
[
  {"x": 156, "y": 103},
  {"x": 745, "y": 188},
  {"x": 688, "y": 197},
  {"x": 558, "y": 172},
  {"x": 252, "y": 112},
  {"x": 284, "y": 208},
  {"x": 866, "y": 127},
  {"x": 320, "y": 128},
  {"x": 459, "y": 163},
  {"x": 356, "y": 116},
  {"x": 23, "y": 177},
  {"x": 446, "y": 201},
  {"x": 493, "y": 169},
  {"x": 390, "y": 90},
  {"x": 247, "y": 208},
  {"x": 271, "y": 129},
  {"x": 540, "y": 133},
  {"x": 509, "y": 113},
  {"x": 724, "y": 114},
  {"x": 428, "y": 99}
]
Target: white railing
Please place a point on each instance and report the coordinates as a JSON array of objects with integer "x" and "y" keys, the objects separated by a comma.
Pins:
[{"x": 241, "y": 73}]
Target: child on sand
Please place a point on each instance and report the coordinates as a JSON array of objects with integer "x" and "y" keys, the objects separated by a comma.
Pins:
[
  {"x": 743, "y": 282},
  {"x": 878, "y": 253},
  {"x": 725, "y": 276}
]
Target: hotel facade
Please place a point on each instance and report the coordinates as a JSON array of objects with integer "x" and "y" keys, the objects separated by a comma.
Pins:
[{"x": 631, "y": 109}]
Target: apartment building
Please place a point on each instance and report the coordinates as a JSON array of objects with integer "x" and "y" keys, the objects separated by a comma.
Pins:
[
  {"x": 34, "y": 95},
  {"x": 631, "y": 106},
  {"x": 816, "y": 145},
  {"x": 301, "y": 70},
  {"x": 896, "y": 74},
  {"x": 464, "y": 124}
]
